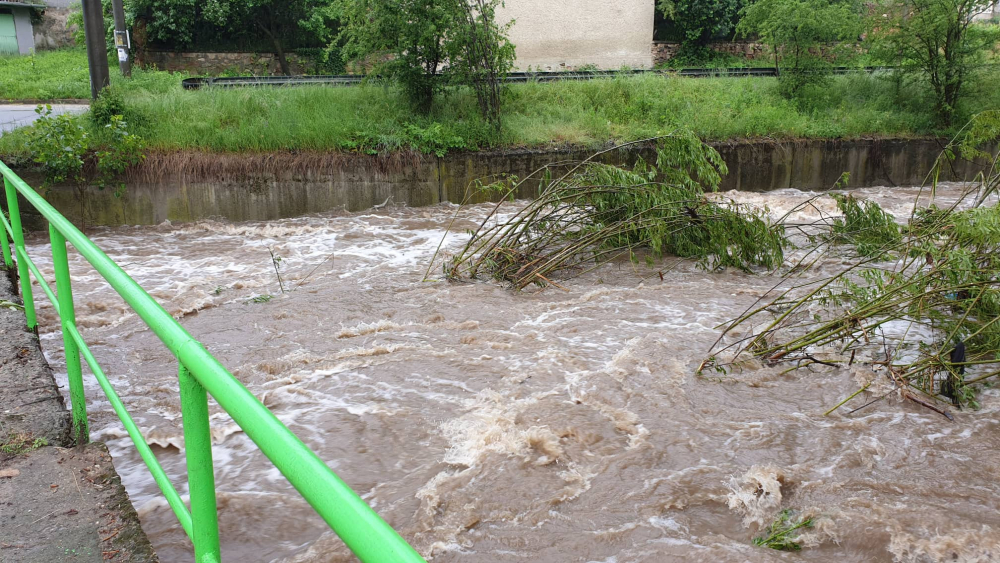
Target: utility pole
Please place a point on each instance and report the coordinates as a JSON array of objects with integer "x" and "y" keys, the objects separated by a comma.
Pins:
[
  {"x": 97, "y": 50},
  {"x": 122, "y": 40}
]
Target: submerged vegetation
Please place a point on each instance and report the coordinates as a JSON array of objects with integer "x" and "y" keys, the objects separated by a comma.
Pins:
[
  {"x": 920, "y": 306},
  {"x": 917, "y": 305},
  {"x": 596, "y": 212},
  {"x": 865, "y": 226},
  {"x": 781, "y": 534}
]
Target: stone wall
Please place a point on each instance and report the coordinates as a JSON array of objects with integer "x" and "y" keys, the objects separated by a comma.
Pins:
[
  {"x": 663, "y": 51},
  {"x": 257, "y": 64},
  {"x": 553, "y": 35},
  {"x": 51, "y": 32}
]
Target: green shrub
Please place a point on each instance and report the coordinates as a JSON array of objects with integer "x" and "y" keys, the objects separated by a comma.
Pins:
[
  {"x": 800, "y": 34},
  {"x": 110, "y": 103},
  {"x": 76, "y": 19},
  {"x": 121, "y": 151},
  {"x": 699, "y": 21},
  {"x": 59, "y": 144},
  {"x": 323, "y": 61},
  {"x": 433, "y": 139}
]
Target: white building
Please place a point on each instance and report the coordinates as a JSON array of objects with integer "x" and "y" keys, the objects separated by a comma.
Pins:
[
  {"x": 568, "y": 34},
  {"x": 993, "y": 12}
]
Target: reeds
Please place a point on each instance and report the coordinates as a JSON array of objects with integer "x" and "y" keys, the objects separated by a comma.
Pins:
[{"x": 906, "y": 299}]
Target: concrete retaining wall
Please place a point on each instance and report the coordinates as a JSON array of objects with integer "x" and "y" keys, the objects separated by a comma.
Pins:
[{"x": 190, "y": 193}]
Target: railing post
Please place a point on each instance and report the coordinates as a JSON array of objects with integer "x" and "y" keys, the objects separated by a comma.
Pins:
[
  {"x": 67, "y": 317},
  {"x": 5, "y": 243},
  {"x": 22, "y": 267},
  {"x": 201, "y": 474}
]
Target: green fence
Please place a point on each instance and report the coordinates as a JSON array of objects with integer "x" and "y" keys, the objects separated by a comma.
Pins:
[{"x": 200, "y": 375}]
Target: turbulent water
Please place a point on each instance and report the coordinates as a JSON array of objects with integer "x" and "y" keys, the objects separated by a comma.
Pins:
[{"x": 488, "y": 426}]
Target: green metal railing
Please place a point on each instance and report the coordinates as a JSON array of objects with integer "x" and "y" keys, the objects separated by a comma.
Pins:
[{"x": 200, "y": 375}]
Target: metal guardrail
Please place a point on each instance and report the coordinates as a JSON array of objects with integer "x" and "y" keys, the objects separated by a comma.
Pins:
[
  {"x": 514, "y": 77},
  {"x": 200, "y": 375}
]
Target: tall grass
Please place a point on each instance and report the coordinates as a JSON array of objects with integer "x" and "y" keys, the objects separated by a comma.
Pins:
[
  {"x": 376, "y": 118},
  {"x": 47, "y": 75},
  {"x": 63, "y": 75}
]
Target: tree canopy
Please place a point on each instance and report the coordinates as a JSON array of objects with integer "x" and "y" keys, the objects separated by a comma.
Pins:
[
  {"x": 933, "y": 40},
  {"x": 800, "y": 34},
  {"x": 183, "y": 23},
  {"x": 427, "y": 45},
  {"x": 700, "y": 21}
]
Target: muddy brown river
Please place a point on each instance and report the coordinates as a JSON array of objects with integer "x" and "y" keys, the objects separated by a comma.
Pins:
[{"x": 489, "y": 426}]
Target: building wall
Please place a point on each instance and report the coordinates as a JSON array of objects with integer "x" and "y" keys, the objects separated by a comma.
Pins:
[
  {"x": 22, "y": 27},
  {"x": 989, "y": 13},
  {"x": 568, "y": 34}
]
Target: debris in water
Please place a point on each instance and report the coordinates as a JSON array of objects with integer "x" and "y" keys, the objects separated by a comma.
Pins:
[{"x": 780, "y": 534}]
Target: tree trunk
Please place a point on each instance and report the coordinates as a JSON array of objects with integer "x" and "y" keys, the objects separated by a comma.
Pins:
[{"x": 279, "y": 50}]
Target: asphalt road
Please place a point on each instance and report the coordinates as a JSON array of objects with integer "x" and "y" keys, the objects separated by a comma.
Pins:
[{"x": 13, "y": 116}]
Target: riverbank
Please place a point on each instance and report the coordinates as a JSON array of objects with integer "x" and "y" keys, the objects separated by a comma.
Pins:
[
  {"x": 189, "y": 186},
  {"x": 375, "y": 119},
  {"x": 60, "y": 502}
]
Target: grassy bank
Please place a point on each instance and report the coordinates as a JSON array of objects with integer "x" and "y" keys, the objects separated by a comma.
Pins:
[
  {"x": 63, "y": 75},
  {"x": 375, "y": 118},
  {"x": 47, "y": 75}
]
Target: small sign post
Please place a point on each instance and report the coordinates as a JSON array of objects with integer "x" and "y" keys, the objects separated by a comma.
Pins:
[{"x": 123, "y": 42}]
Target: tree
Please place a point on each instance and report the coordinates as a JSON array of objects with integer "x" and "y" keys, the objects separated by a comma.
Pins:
[
  {"x": 936, "y": 283},
  {"x": 177, "y": 21},
  {"x": 281, "y": 20},
  {"x": 934, "y": 40},
  {"x": 487, "y": 56},
  {"x": 801, "y": 34},
  {"x": 410, "y": 36},
  {"x": 700, "y": 21},
  {"x": 183, "y": 23},
  {"x": 427, "y": 45}
]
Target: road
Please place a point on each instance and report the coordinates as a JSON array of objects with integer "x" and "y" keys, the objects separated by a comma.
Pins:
[{"x": 13, "y": 116}]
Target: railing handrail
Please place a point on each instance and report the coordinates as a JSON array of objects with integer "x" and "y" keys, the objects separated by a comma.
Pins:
[{"x": 364, "y": 532}]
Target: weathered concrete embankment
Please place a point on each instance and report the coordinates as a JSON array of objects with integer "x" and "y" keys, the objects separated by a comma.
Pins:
[
  {"x": 192, "y": 186},
  {"x": 57, "y": 502}
]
